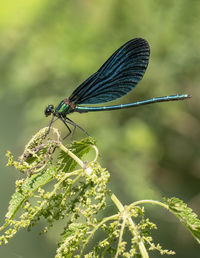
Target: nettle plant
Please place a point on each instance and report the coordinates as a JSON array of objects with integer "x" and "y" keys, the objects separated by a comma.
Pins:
[{"x": 78, "y": 194}]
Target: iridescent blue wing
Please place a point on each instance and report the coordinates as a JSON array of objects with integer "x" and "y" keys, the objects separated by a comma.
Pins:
[{"x": 117, "y": 76}]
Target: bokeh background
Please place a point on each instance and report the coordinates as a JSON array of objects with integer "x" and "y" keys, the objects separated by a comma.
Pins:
[{"x": 47, "y": 48}]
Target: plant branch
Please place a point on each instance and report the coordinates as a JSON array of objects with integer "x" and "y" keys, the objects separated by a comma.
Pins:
[{"x": 133, "y": 227}]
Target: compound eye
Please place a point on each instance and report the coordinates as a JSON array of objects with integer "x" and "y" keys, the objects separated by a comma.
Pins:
[{"x": 49, "y": 110}]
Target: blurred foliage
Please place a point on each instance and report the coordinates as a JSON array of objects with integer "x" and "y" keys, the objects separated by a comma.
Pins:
[{"x": 49, "y": 47}]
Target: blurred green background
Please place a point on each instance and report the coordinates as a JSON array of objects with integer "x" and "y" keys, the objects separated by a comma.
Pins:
[{"x": 47, "y": 48}]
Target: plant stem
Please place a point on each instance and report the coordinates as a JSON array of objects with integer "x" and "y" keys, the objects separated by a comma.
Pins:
[
  {"x": 71, "y": 154},
  {"x": 120, "y": 236},
  {"x": 150, "y": 201},
  {"x": 134, "y": 230},
  {"x": 96, "y": 227}
]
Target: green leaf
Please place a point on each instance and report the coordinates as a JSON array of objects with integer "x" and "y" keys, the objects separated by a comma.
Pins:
[
  {"x": 186, "y": 216},
  {"x": 79, "y": 148},
  {"x": 30, "y": 185}
]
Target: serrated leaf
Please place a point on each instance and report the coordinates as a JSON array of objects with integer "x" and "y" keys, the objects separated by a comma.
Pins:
[
  {"x": 186, "y": 216},
  {"x": 79, "y": 148},
  {"x": 30, "y": 185}
]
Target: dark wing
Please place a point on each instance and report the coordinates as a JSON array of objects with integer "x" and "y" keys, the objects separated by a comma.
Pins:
[{"x": 117, "y": 76}]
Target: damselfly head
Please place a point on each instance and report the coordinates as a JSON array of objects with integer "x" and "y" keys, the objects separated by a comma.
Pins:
[{"x": 49, "y": 110}]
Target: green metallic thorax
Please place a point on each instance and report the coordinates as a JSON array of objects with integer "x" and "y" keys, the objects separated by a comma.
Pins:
[{"x": 63, "y": 109}]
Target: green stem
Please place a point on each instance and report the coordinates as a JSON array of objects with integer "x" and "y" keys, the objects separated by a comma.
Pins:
[
  {"x": 133, "y": 227},
  {"x": 97, "y": 153},
  {"x": 71, "y": 154},
  {"x": 96, "y": 227},
  {"x": 151, "y": 202},
  {"x": 120, "y": 236}
]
